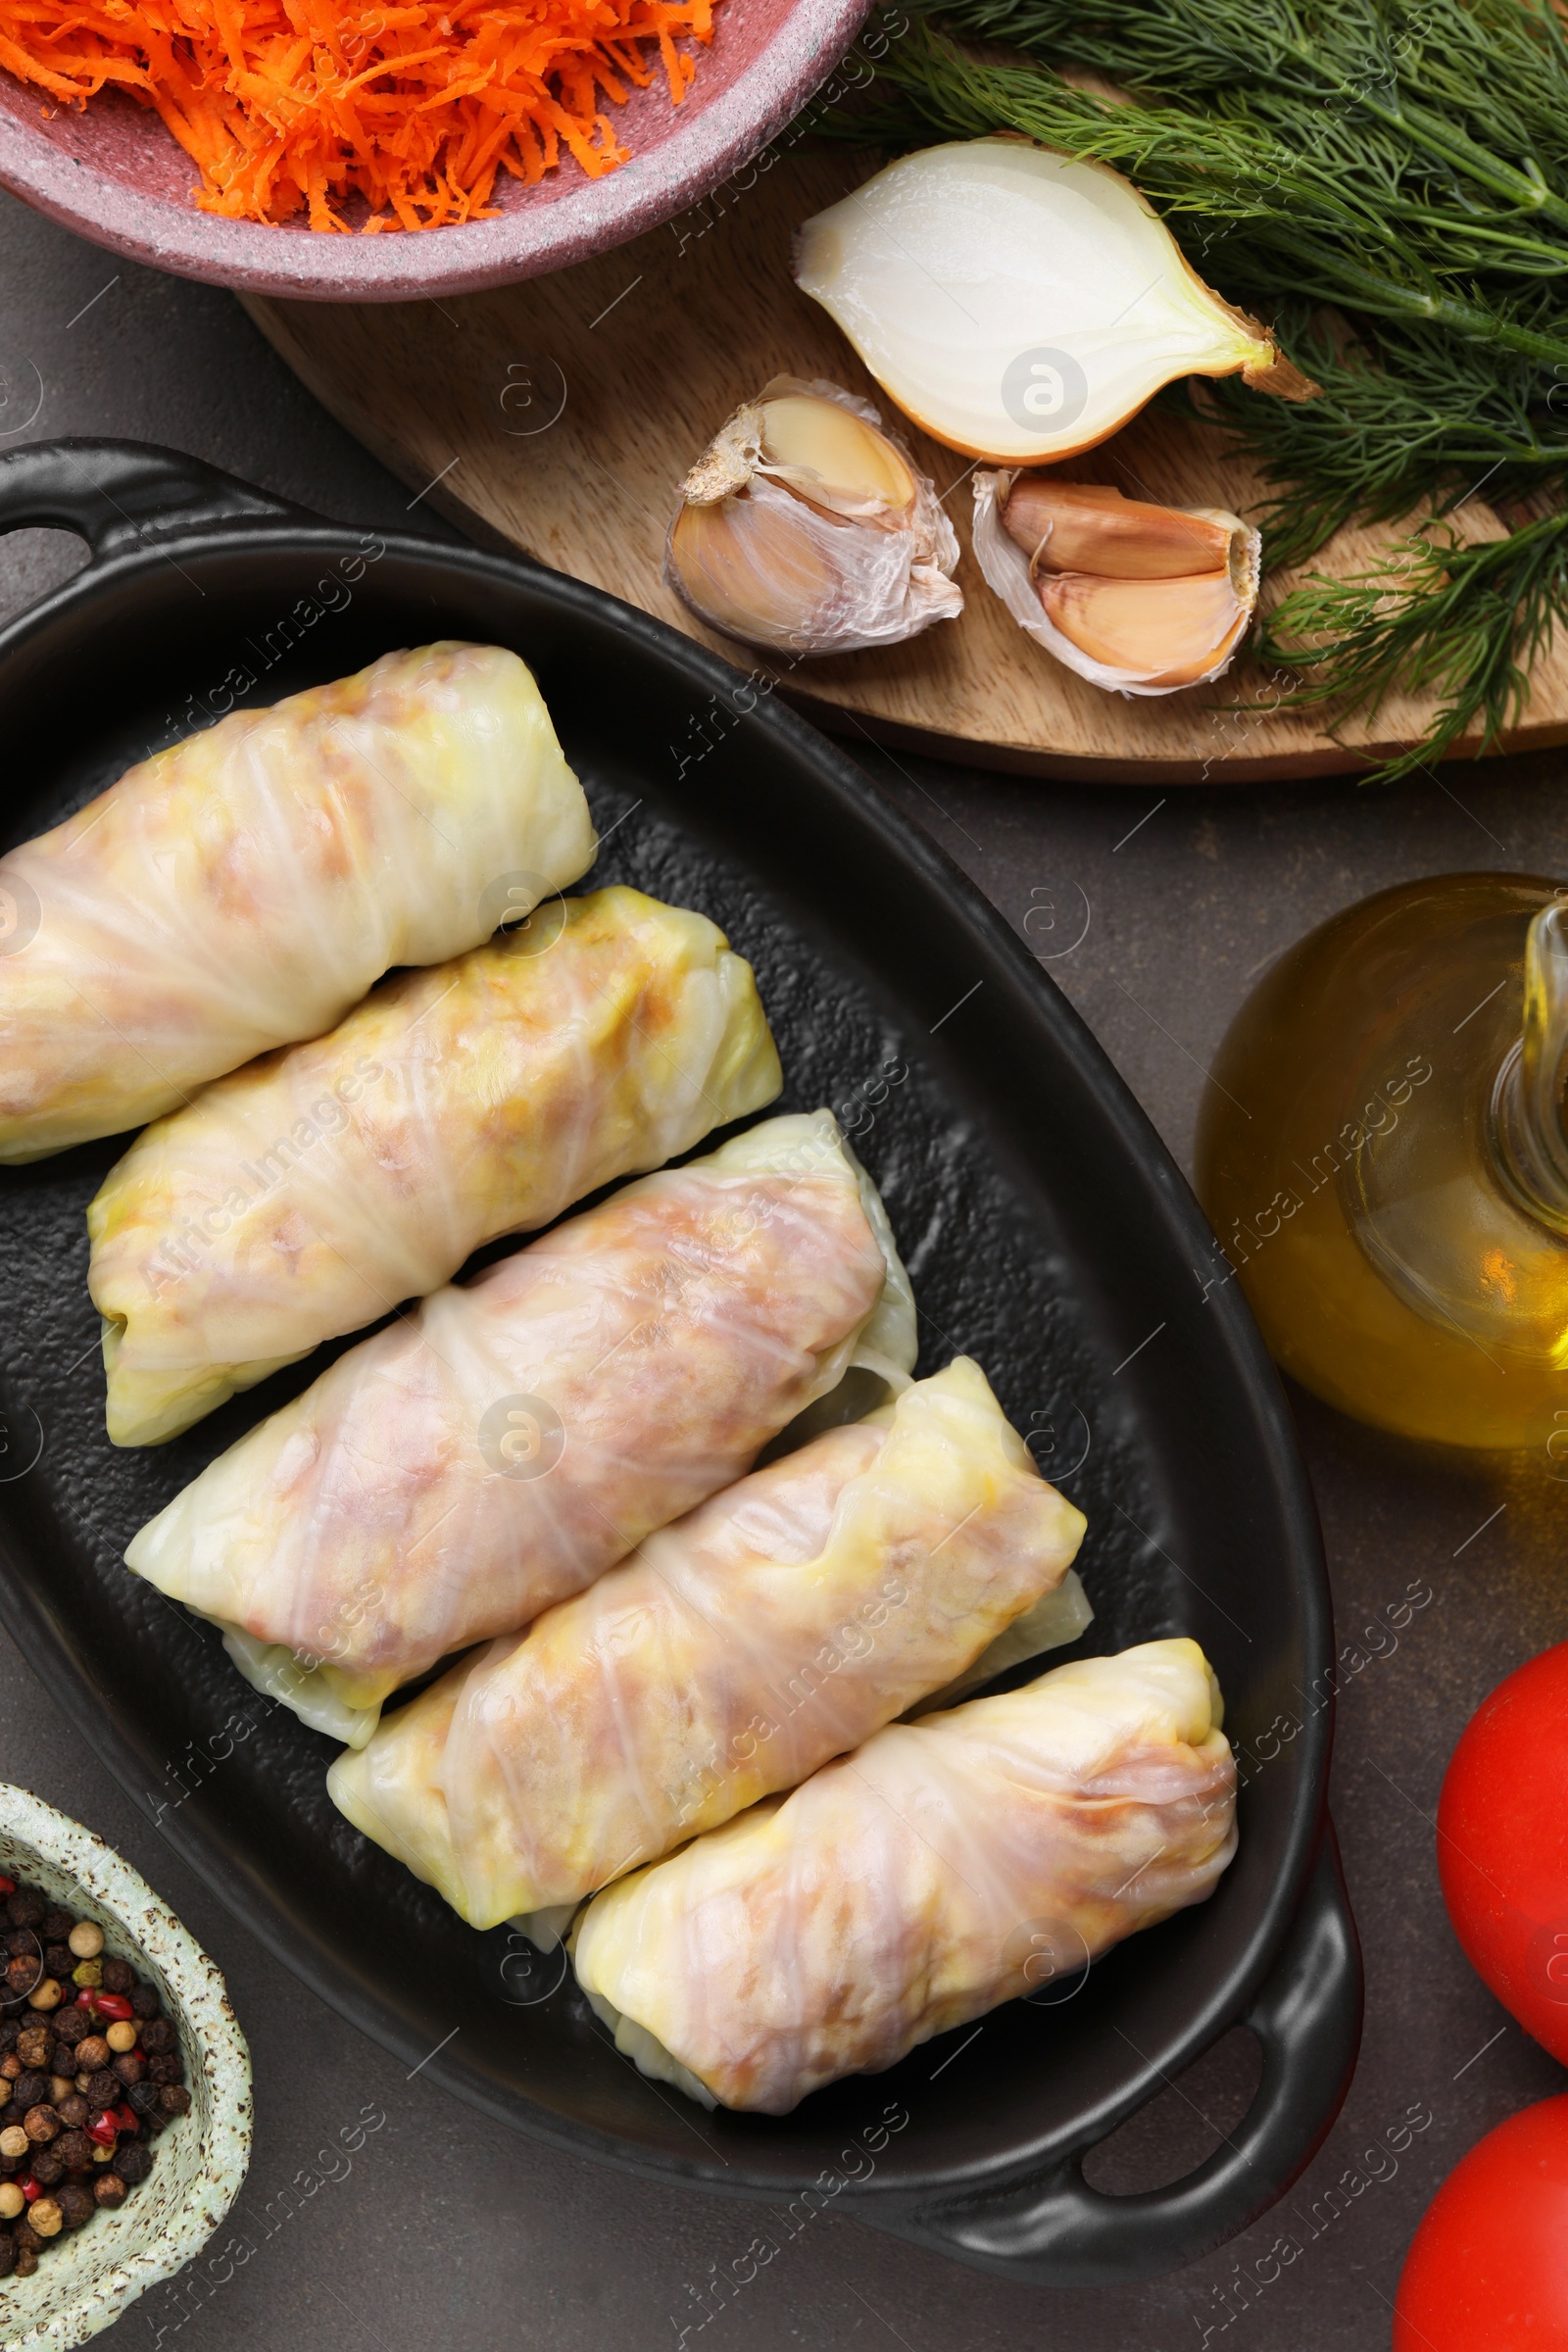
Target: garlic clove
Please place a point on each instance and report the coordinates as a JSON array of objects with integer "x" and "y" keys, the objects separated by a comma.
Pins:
[
  {"x": 834, "y": 456},
  {"x": 1019, "y": 305},
  {"x": 805, "y": 528},
  {"x": 1066, "y": 526},
  {"x": 1170, "y": 632},
  {"x": 755, "y": 567},
  {"x": 1153, "y": 634}
]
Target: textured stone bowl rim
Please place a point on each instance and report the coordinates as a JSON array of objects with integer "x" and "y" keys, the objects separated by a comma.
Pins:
[
  {"x": 524, "y": 240},
  {"x": 207, "y": 2021}
]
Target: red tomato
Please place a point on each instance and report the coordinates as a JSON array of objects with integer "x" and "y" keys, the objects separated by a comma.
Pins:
[
  {"x": 1502, "y": 1845},
  {"x": 1486, "y": 2271}
]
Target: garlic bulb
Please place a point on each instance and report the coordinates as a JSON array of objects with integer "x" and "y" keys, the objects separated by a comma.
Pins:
[
  {"x": 1019, "y": 304},
  {"x": 1134, "y": 597},
  {"x": 805, "y": 527}
]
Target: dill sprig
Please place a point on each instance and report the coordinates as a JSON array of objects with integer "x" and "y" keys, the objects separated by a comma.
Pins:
[
  {"x": 1403, "y": 164},
  {"x": 1409, "y": 420},
  {"x": 1465, "y": 620}
]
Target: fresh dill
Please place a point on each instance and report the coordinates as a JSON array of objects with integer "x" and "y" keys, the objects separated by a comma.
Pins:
[{"x": 1401, "y": 168}]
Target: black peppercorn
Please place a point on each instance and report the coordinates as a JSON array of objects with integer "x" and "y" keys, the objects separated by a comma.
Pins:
[
  {"x": 25, "y": 1908},
  {"x": 104, "y": 2090},
  {"x": 8, "y": 2253},
  {"x": 128, "y": 2067},
  {"x": 119, "y": 1975},
  {"x": 156, "y": 2035},
  {"x": 30, "y": 2089},
  {"x": 22, "y": 1942},
  {"x": 132, "y": 2160},
  {"x": 77, "y": 2205},
  {"x": 168, "y": 2067},
  {"x": 46, "y": 2168},
  {"x": 56, "y": 1925},
  {"x": 174, "y": 2099},
  {"x": 22, "y": 1974},
  {"x": 10, "y": 2027},
  {"x": 41, "y": 2124},
  {"x": 74, "y": 2150},
  {"x": 71, "y": 2027},
  {"x": 58, "y": 1959},
  {"x": 109, "y": 2189},
  {"x": 143, "y": 2001},
  {"x": 74, "y": 2111},
  {"x": 36, "y": 2047},
  {"x": 146, "y": 2099}
]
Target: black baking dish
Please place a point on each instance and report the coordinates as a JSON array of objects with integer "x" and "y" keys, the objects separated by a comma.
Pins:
[{"x": 1047, "y": 1232}]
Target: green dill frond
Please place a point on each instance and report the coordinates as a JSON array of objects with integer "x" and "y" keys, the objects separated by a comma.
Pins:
[
  {"x": 1408, "y": 420},
  {"x": 1463, "y": 620}
]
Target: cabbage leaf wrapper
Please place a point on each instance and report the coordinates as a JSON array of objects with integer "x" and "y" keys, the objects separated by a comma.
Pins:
[
  {"x": 458, "y": 1472},
  {"x": 777, "y": 1625},
  {"x": 946, "y": 1866},
  {"x": 309, "y": 1192},
  {"x": 244, "y": 888}
]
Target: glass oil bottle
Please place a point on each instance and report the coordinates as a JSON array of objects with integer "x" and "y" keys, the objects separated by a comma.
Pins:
[{"x": 1382, "y": 1153}]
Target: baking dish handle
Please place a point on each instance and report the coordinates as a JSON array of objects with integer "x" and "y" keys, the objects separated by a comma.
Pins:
[
  {"x": 1059, "y": 2231},
  {"x": 120, "y": 495}
]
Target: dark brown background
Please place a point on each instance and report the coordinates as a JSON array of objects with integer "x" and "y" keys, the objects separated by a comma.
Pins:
[{"x": 448, "y": 2231}]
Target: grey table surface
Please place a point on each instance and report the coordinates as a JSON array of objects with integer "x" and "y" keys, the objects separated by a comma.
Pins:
[{"x": 448, "y": 2229}]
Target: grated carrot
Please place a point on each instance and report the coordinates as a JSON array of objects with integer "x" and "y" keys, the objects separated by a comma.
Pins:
[{"x": 284, "y": 105}]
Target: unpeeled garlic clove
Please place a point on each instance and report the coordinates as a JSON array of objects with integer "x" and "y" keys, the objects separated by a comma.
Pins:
[
  {"x": 1167, "y": 632},
  {"x": 1020, "y": 305},
  {"x": 755, "y": 567},
  {"x": 834, "y": 455},
  {"x": 805, "y": 528},
  {"x": 1115, "y": 609},
  {"x": 1067, "y": 526}
]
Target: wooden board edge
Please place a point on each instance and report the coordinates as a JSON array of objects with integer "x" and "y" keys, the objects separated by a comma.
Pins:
[{"x": 1357, "y": 762}]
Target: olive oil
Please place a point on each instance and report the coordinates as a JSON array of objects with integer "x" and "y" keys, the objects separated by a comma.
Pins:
[{"x": 1382, "y": 1153}]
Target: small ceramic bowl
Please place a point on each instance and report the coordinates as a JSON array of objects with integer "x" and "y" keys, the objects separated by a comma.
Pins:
[
  {"x": 84, "y": 2282},
  {"x": 112, "y": 173}
]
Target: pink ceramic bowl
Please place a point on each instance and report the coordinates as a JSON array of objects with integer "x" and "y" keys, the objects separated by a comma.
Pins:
[{"x": 112, "y": 173}]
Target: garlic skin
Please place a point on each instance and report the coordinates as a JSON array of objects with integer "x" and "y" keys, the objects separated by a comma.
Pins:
[
  {"x": 1019, "y": 304},
  {"x": 1110, "y": 604},
  {"x": 805, "y": 528}
]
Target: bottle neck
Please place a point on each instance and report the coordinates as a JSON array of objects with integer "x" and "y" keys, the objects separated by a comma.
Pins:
[{"x": 1528, "y": 1134}]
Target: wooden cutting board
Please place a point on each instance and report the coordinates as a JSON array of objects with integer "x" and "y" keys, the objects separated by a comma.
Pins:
[{"x": 557, "y": 416}]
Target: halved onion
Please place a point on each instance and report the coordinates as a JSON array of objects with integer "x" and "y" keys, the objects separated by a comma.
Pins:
[{"x": 1019, "y": 304}]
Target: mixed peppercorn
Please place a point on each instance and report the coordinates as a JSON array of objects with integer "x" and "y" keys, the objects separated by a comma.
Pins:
[{"x": 90, "y": 2073}]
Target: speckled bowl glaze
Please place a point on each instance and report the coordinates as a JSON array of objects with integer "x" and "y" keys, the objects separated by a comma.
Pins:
[
  {"x": 84, "y": 2282},
  {"x": 112, "y": 173}
]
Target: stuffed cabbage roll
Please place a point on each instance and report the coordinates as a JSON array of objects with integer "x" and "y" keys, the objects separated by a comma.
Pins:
[
  {"x": 453, "y": 1474},
  {"x": 778, "y": 1623},
  {"x": 307, "y": 1194},
  {"x": 244, "y": 888},
  {"x": 946, "y": 1866}
]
